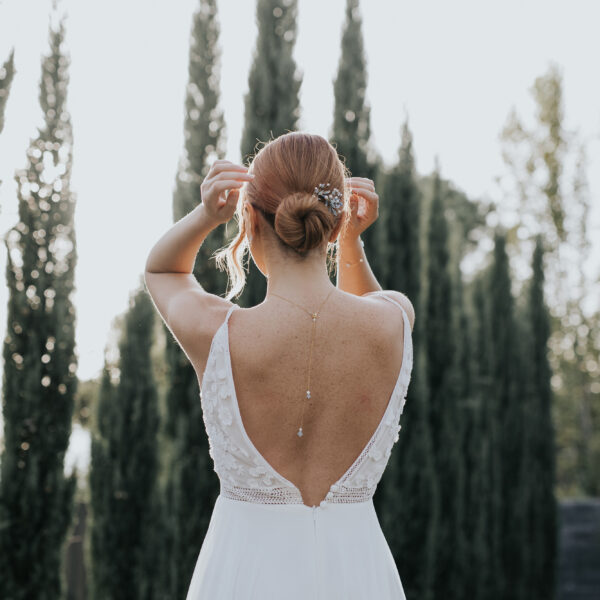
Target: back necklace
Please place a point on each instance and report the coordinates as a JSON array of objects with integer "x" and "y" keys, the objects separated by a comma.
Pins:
[{"x": 314, "y": 320}]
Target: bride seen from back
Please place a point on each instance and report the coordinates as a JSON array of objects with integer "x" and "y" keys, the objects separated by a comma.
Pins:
[
  {"x": 311, "y": 392},
  {"x": 301, "y": 393}
]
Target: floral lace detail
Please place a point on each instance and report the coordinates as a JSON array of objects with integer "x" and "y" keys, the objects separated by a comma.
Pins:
[{"x": 244, "y": 474}]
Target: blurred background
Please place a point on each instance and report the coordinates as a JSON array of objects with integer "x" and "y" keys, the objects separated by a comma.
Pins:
[{"x": 480, "y": 125}]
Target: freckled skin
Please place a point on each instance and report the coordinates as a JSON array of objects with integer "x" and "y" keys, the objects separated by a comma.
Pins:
[
  {"x": 355, "y": 365},
  {"x": 365, "y": 401}
]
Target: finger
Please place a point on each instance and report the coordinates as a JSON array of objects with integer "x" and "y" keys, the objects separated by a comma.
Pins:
[
  {"x": 233, "y": 175},
  {"x": 359, "y": 184},
  {"x": 365, "y": 179},
  {"x": 225, "y": 184},
  {"x": 228, "y": 175},
  {"x": 367, "y": 194},
  {"x": 232, "y": 197},
  {"x": 371, "y": 196},
  {"x": 225, "y": 165}
]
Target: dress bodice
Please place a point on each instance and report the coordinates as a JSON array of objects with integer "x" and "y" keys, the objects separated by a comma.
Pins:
[{"x": 244, "y": 474}]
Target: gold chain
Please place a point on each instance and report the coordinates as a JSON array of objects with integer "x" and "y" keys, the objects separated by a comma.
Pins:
[{"x": 313, "y": 316}]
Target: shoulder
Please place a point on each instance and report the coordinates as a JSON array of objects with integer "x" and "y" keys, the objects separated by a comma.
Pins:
[{"x": 398, "y": 297}]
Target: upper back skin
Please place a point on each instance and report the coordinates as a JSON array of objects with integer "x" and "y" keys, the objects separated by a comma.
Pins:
[{"x": 356, "y": 359}]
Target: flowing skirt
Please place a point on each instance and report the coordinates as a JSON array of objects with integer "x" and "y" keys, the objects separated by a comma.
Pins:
[{"x": 292, "y": 551}]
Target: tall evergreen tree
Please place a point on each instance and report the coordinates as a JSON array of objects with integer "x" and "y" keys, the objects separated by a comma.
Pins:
[
  {"x": 7, "y": 72},
  {"x": 461, "y": 393},
  {"x": 351, "y": 129},
  {"x": 400, "y": 217},
  {"x": 441, "y": 347},
  {"x": 192, "y": 485},
  {"x": 542, "y": 510},
  {"x": 508, "y": 414},
  {"x": 40, "y": 363},
  {"x": 549, "y": 190},
  {"x": 125, "y": 467},
  {"x": 405, "y": 497},
  {"x": 104, "y": 541},
  {"x": 272, "y": 103},
  {"x": 482, "y": 506}
]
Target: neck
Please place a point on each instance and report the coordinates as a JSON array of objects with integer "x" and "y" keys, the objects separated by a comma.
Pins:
[{"x": 299, "y": 280}]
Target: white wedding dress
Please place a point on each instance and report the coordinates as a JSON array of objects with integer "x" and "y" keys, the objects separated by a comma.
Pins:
[{"x": 263, "y": 542}]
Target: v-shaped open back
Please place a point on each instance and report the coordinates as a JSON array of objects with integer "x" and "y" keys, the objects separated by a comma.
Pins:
[{"x": 243, "y": 471}]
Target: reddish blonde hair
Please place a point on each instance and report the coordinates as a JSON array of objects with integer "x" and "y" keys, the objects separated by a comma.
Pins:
[{"x": 287, "y": 169}]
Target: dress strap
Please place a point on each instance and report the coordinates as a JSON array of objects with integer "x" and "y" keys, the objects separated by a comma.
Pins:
[
  {"x": 230, "y": 311},
  {"x": 382, "y": 294}
]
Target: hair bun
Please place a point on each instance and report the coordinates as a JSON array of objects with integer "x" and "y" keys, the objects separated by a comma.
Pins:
[{"x": 302, "y": 221}]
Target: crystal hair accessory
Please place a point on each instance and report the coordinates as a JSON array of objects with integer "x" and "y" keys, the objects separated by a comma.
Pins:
[{"x": 331, "y": 198}]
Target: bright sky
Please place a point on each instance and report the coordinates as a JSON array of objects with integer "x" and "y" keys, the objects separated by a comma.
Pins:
[{"x": 456, "y": 68}]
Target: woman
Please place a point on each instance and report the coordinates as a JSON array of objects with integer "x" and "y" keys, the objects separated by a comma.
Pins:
[{"x": 301, "y": 394}]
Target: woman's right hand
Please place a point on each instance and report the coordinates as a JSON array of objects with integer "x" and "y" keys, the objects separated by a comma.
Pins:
[{"x": 364, "y": 207}]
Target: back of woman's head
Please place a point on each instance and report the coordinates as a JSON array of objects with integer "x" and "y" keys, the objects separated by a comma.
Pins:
[{"x": 287, "y": 170}]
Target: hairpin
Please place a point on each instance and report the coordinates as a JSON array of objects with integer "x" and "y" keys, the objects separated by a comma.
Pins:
[{"x": 331, "y": 198}]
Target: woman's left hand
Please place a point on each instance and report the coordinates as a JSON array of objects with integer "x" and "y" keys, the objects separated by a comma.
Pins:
[{"x": 220, "y": 189}]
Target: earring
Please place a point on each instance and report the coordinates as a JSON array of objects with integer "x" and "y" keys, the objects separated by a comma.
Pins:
[{"x": 249, "y": 237}]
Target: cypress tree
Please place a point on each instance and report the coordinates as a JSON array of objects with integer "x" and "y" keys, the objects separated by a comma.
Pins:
[
  {"x": 7, "y": 72},
  {"x": 441, "y": 348},
  {"x": 405, "y": 497},
  {"x": 351, "y": 129},
  {"x": 104, "y": 541},
  {"x": 508, "y": 414},
  {"x": 125, "y": 466},
  {"x": 481, "y": 501},
  {"x": 459, "y": 435},
  {"x": 272, "y": 104},
  {"x": 400, "y": 215},
  {"x": 542, "y": 510},
  {"x": 192, "y": 485},
  {"x": 40, "y": 363}
]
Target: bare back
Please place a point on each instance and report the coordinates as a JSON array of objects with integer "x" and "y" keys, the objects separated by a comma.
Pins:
[{"x": 356, "y": 360}]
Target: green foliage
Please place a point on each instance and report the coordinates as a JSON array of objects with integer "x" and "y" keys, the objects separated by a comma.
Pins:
[
  {"x": 126, "y": 532},
  {"x": 406, "y": 495},
  {"x": 40, "y": 363},
  {"x": 444, "y": 403},
  {"x": 191, "y": 486},
  {"x": 547, "y": 167},
  {"x": 541, "y": 516},
  {"x": 272, "y": 103},
  {"x": 351, "y": 130},
  {"x": 508, "y": 416},
  {"x": 7, "y": 72},
  {"x": 482, "y": 527},
  {"x": 400, "y": 206}
]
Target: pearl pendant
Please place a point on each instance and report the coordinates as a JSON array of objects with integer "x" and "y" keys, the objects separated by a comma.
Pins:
[
  {"x": 300, "y": 432},
  {"x": 308, "y": 393}
]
